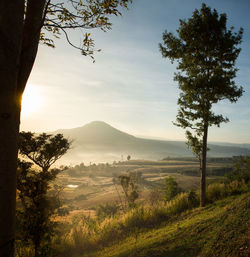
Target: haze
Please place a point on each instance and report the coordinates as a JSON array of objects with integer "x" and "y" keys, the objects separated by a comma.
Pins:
[{"x": 130, "y": 86}]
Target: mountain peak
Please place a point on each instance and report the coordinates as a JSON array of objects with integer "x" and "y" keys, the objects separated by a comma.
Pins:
[
  {"x": 97, "y": 132},
  {"x": 97, "y": 123}
]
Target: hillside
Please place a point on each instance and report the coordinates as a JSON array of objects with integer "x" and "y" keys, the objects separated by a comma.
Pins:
[
  {"x": 219, "y": 230},
  {"x": 100, "y": 142}
]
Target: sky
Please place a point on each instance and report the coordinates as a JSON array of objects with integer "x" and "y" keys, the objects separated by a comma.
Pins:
[{"x": 130, "y": 86}]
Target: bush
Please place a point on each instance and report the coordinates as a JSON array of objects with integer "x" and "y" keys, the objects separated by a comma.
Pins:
[
  {"x": 241, "y": 171},
  {"x": 193, "y": 199},
  {"x": 171, "y": 188}
]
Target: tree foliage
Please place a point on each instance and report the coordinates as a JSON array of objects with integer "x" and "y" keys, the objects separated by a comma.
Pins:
[
  {"x": 44, "y": 149},
  {"x": 61, "y": 17},
  {"x": 23, "y": 24},
  {"x": 39, "y": 198},
  {"x": 241, "y": 169},
  {"x": 171, "y": 189},
  {"x": 206, "y": 52}
]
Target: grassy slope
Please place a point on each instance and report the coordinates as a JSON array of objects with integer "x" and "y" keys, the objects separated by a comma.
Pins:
[{"x": 221, "y": 229}]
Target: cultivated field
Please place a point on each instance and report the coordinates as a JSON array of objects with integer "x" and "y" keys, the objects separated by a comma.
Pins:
[{"x": 86, "y": 187}]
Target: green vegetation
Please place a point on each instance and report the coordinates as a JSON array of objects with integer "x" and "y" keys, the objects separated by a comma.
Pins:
[
  {"x": 34, "y": 22},
  {"x": 219, "y": 230},
  {"x": 38, "y": 202},
  {"x": 171, "y": 189},
  {"x": 161, "y": 230},
  {"x": 205, "y": 51},
  {"x": 241, "y": 169},
  {"x": 155, "y": 226}
]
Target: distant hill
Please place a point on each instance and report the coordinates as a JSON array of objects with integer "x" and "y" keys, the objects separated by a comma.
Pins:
[{"x": 100, "y": 142}]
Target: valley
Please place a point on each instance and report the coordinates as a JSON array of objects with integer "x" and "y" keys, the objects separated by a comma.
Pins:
[{"x": 86, "y": 187}]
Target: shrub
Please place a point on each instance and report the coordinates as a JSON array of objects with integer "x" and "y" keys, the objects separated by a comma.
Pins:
[
  {"x": 193, "y": 199},
  {"x": 241, "y": 170},
  {"x": 171, "y": 188}
]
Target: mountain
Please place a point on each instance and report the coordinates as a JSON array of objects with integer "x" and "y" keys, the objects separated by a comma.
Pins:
[{"x": 100, "y": 142}]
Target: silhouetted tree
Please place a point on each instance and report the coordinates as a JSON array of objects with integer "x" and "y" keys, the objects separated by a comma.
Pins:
[
  {"x": 206, "y": 52},
  {"x": 37, "y": 206},
  {"x": 128, "y": 157},
  {"x": 23, "y": 24}
]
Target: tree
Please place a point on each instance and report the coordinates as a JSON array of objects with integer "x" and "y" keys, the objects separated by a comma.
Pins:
[
  {"x": 205, "y": 51},
  {"x": 33, "y": 185},
  {"x": 23, "y": 24},
  {"x": 241, "y": 169},
  {"x": 171, "y": 189},
  {"x": 129, "y": 184}
]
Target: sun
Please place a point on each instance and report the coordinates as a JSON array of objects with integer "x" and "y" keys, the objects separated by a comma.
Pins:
[{"x": 31, "y": 100}]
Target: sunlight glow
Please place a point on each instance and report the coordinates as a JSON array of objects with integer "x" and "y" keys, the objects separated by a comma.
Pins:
[{"x": 31, "y": 101}]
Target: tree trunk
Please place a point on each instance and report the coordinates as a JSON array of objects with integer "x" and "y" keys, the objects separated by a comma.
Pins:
[
  {"x": 11, "y": 25},
  {"x": 19, "y": 35},
  {"x": 204, "y": 167},
  {"x": 8, "y": 163}
]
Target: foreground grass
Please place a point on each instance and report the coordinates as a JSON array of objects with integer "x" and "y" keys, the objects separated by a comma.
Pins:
[{"x": 221, "y": 229}]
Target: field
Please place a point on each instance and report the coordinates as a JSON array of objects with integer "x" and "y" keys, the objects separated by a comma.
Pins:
[
  {"x": 154, "y": 225},
  {"x": 86, "y": 187}
]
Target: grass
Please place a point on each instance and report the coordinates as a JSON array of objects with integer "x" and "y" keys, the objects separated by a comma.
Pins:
[
  {"x": 219, "y": 230},
  {"x": 172, "y": 228},
  {"x": 90, "y": 234}
]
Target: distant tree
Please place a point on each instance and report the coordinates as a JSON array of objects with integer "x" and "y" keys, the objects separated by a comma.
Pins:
[
  {"x": 23, "y": 24},
  {"x": 171, "y": 189},
  {"x": 241, "y": 169},
  {"x": 129, "y": 183},
  {"x": 128, "y": 157},
  {"x": 206, "y": 52},
  {"x": 34, "y": 184}
]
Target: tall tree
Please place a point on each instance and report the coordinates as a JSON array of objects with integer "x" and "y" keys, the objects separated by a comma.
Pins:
[
  {"x": 23, "y": 24},
  {"x": 38, "y": 203},
  {"x": 205, "y": 51}
]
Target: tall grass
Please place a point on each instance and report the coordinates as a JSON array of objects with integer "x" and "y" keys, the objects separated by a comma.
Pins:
[
  {"x": 90, "y": 233},
  {"x": 218, "y": 191}
]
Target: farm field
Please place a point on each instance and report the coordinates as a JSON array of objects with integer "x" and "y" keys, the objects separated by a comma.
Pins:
[{"x": 86, "y": 187}]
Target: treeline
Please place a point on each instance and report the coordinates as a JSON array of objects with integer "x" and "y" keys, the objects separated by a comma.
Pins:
[
  {"x": 100, "y": 169},
  {"x": 106, "y": 169},
  {"x": 209, "y": 159},
  {"x": 220, "y": 171}
]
